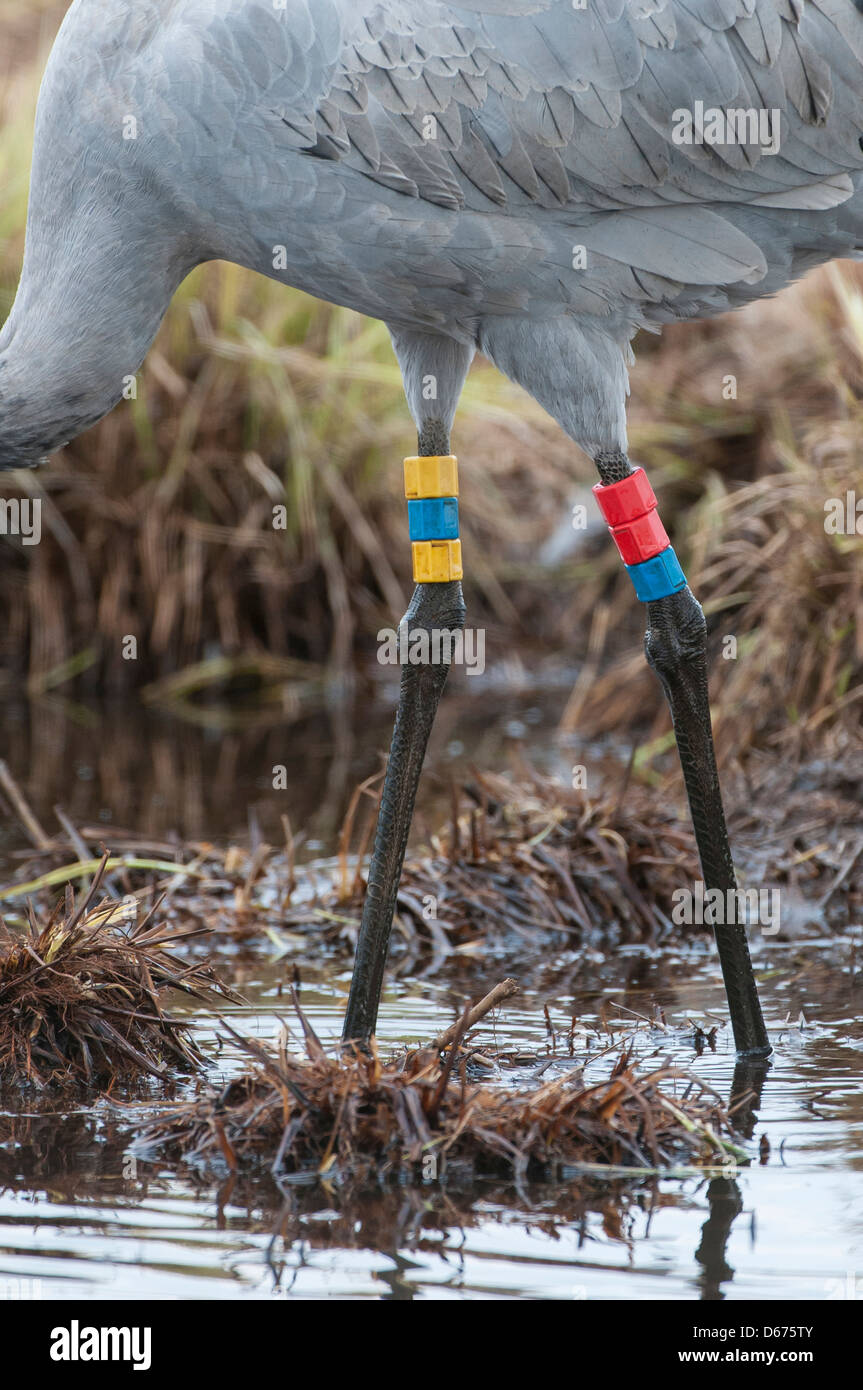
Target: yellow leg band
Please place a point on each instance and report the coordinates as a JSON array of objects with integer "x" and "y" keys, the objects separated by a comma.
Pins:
[
  {"x": 431, "y": 476},
  {"x": 435, "y": 562}
]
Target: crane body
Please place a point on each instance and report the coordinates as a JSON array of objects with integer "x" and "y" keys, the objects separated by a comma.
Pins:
[{"x": 533, "y": 179}]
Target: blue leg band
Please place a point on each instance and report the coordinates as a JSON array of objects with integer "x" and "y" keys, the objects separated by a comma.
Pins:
[
  {"x": 433, "y": 518},
  {"x": 658, "y": 577}
]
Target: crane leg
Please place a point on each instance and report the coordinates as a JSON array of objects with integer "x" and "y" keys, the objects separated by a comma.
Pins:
[
  {"x": 436, "y": 607},
  {"x": 676, "y": 648}
]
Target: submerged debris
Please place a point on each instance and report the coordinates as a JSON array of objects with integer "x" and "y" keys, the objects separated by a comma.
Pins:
[
  {"x": 354, "y": 1115},
  {"x": 81, "y": 998}
]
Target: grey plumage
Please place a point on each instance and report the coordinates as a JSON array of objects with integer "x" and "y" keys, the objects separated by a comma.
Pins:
[{"x": 434, "y": 165}]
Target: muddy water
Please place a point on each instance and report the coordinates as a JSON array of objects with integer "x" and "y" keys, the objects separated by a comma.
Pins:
[{"x": 82, "y": 1215}]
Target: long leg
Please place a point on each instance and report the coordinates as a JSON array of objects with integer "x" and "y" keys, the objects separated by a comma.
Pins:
[
  {"x": 548, "y": 356},
  {"x": 676, "y": 648},
  {"x": 435, "y": 607}
]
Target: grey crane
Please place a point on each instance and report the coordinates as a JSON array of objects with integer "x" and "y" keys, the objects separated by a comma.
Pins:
[{"x": 536, "y": 179}]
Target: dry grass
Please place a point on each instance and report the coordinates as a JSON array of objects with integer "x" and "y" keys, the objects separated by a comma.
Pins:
[
  {"x": 357, "y": 1116},
  {"x": 160, "y": 523},
  {"x": 787, "y": 594},
  {"x": 517, "y": 862},
  {"x": 82, "y": 1001},
  {"x": 744, "y": 484},
  {"x": 521, "y": 861}
]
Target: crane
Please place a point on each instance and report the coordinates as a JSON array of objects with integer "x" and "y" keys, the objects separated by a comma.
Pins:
[{"x": 536, "y": 180}]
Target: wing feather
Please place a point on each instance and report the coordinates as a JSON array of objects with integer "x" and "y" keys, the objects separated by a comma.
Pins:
[{"x": 560, "y": 120}]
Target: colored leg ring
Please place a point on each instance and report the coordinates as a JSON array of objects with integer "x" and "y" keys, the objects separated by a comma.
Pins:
[
  {"x": 629, "y": 508},
  {"x": 433, "y": 518},
  {"x": 437, "y": 562},
  {"x": 431, "y": 487},
  {"x": 658, "y": 577},
  {"x": 430, "y": 476}
]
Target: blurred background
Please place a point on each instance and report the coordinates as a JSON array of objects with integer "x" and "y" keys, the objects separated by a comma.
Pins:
[{"x": 257, "y": 647}]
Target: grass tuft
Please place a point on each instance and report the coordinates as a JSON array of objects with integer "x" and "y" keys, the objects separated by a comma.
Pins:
[
  {"x": 356, "y": 1115},
  {"x": 81, "y": 1000}
]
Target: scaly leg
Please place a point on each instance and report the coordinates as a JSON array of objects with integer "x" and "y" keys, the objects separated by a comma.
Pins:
[
  {"x": 676, "y": 648},
  {"x": 436, "y": 606}
]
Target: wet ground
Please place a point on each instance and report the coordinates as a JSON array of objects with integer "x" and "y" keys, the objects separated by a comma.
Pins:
[{"x": 82, "y": 1214}]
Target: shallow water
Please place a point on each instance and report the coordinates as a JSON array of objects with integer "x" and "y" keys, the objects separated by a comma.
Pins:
[
  {"x": 137, "y": 767},
  {"x": 83, "y": 1216}
]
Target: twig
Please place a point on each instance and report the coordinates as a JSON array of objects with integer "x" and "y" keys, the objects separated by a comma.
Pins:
[
  {"x": 80, "y": 847},
  {"x": 22, "y": 809},
  {"x": 505, "y": 990},
  {"x": 290, "y": 851},
  {"x": 78, "y": 843},
  {"x": 440, "y": 1091},
  {"x": 840, "y": 878}
]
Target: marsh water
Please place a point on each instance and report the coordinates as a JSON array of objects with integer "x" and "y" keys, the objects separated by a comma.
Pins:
[{"x": 83, "y": 1215}]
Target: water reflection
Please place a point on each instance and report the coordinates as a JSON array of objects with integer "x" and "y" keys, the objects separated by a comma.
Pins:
[
  {"x": 726, "y": 1204},
  {"x": 81, "y": 1214},
  {"x": 132, "y": 766}
]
